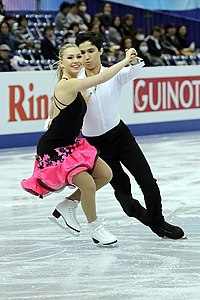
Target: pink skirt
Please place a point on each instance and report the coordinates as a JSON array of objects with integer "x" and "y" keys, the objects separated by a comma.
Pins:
[{"x": 50, "y": 175}]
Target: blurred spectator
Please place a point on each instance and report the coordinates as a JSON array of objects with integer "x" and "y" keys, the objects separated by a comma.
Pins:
[
  {"x": 5, "y": 65},
  {"x": 126, "y": 43},
  {"x": 70, "y": 36},
  {"x": 82, "y": 12},
  {"x": 95, "y": 19},
  {"x": 6, "y": 37},
  {"x": 61, "y": 17},
  {"x": 128, "y": 25},
  {"x": 106, "y": 15},
  {"x": 97, "y": 28},
  {"x": 11, "y": 21},
  {"x": 162, "y": 33},
  {"x": 49, "y": 46},
  {"x": 109, "y": 57},
  {"x": 1, "y": 11},
  {"x": 185, "y": 47},
  {"x": 22, "y": 27},
  {"x": 155, "y": 47},
  {"x": 73, "y": 17},
  {"x": 170, "y": 42},
  {"x": 138, "y": 37},
  {"x": 104, "y": 34},
  {"x": 115, "y": 31},
  {"x": 75, "y": 28},
  {"x": 22, "y": 34},
  {"x": 143, "y": 52}
]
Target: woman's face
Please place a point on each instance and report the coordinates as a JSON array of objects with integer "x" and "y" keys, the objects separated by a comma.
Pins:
[
  {"x": 4, "y": 28},
  {"x": 72, "y": 61},
  {"x": 128, "y": 43},
  {"x": 117, "y": 21},
  {"x": 182, "y": 30}
]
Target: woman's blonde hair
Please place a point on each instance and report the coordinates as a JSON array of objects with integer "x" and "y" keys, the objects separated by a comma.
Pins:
[{"x": 61, "y": 53}]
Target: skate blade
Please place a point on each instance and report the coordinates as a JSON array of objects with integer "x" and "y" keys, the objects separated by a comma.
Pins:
[
  {"x": 66, "y": 228},
  {"x": 182, "y": 238},
  {"x": 108, "y": 245}
]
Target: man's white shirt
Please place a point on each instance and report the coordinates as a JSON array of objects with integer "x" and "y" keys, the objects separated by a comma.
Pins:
[{"x": 102, "y": 107}]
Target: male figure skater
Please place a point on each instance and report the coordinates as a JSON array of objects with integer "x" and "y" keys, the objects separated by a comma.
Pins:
[{"x": 104, "y": 129}]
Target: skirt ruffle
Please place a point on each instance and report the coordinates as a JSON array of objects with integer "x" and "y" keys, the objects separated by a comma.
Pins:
[{"x": 54, "y": 174}]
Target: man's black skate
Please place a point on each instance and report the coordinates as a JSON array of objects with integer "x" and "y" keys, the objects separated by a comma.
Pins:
[{"x": 168, "y": 230}]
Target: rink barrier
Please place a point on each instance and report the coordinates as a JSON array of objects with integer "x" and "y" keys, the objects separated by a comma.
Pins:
[
  {"x": 31, "y": 139},
  {"x": 162, "y": 100}
]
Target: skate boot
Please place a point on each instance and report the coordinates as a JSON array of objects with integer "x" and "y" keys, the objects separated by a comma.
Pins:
[
  {"x": 67, "y": 210},
  {"x": 101, "y": 235},
  {"x": 167, "y": 230}
]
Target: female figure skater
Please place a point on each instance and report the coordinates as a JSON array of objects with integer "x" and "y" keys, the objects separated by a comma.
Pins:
[{"x": 64, "y": 159}]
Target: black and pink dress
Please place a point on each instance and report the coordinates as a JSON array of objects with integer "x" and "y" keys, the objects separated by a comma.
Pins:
[{"x": 61, "y": 154}]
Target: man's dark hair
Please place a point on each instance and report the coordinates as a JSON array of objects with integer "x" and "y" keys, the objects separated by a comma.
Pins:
[{"x": 91, "y": 37}]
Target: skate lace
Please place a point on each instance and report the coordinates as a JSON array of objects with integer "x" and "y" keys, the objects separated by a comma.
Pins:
[
  {"x": 72, "y": 213},
  {"x": 101, "y": 229}
]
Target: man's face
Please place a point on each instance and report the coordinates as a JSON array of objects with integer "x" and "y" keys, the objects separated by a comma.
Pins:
[{"x": 91, "y": 55}]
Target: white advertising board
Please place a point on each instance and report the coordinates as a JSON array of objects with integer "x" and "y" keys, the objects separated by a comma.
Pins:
[
  {"x": 24, "y": 100},
  {"x": 162, "y": 95}
]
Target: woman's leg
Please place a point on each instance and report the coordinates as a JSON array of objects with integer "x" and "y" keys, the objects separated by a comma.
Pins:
[
  {"x": 102, "y": 175},
  {"x": 88, "y": 185}
]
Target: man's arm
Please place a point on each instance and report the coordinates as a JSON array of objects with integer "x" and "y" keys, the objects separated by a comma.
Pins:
[{"x": 131, "y": 72}]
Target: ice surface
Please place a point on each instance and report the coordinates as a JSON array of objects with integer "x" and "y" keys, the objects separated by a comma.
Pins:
[{"x": 41, "y": 261}]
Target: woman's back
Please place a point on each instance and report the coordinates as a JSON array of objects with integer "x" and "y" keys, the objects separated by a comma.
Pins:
[{"x": 65, "y": 127}]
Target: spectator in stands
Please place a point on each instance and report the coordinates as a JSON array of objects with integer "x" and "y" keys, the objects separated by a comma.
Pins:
[
  {"x": 128, "y": 25},
  {"x": 115, "y": 31},
  {"x": 185, "y": 47},
  {"x": 70, "y": 36},
  {"x": 6, "y": 37},
  {"x": 155, "y": 46},
  {"x": 143, "y": 52},
  {"x": 5, "y": 65},
  {"x": 95, "y": 19},
  {"x": 49, "y": 46},
  {"x": 23, "y": 36},
  {"x": 1, "y": 12},
  {"x": 162, "y": 33},
  {"x": 82, "y": 12},
  {"x": 73, "y": 17},
  {"x": 22, "y": 27},
  {"x": 106, "y": 15},
  {"x": 170, "y": 42},
  {"x": 75, "y": 28},
  {"x": 138, "y": 37},
  {"x": 98, "y": 29},
  {"x": 61, "y": 17},
  {"x": 11, "y": 21},
  {"x": 126, "y": 43}
]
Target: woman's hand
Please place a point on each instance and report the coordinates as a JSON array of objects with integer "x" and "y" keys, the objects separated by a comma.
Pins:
[{"x": 131, "y": 55}]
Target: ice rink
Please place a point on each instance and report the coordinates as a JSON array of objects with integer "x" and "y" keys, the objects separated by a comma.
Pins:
[{"x": 41, "y": 261}]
